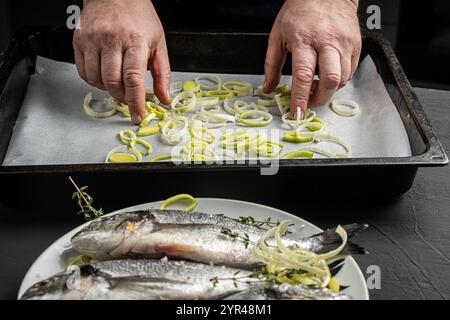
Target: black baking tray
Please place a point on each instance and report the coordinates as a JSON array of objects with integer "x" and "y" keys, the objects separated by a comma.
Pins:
[{"x": 222, "y": 53}]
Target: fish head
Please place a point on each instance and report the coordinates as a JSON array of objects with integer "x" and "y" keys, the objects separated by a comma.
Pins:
[
  {"x": 51, "y": 287},
  {"x": 73, "y": 284},
  {"x": 104, "y": 235}
]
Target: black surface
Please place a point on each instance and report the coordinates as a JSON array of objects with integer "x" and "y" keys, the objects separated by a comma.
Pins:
[{"x": 409, "y": 237}]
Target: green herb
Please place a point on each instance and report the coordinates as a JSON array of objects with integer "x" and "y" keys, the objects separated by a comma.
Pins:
[
  {"x": 236, "y": 236},
  {"x": 260, "y": 224},
  {"x": 85, "y": 202}
]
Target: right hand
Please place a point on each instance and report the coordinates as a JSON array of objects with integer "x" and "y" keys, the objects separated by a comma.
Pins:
[{"x": 116, "y": 43}]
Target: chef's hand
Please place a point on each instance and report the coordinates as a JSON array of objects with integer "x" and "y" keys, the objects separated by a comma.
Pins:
[
  {"x": 114, "y": 46},
  {"x": 318, "y": 33}
]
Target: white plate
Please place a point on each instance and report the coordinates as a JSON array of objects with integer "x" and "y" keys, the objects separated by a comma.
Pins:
[{"x": 53, "y": 260}]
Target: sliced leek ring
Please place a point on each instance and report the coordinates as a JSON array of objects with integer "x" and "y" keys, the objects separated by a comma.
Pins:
[
  {"x": 210, "y": 78},
  {"x": 267, "y": 102},
  {"x": 208, "y": 116},
  {"x": 282, "y": 106},
  {"x": 159, "y": 111},
  {"x": 299, "y": 154},
  {"x": 321, "y": 152},
  {"x": 123, "y": 154},
  {"x": 127, "y": 136},
  {"x": 310, "y": 115},
  {"x": 181, "y": 107},
  {"x": 245, "y": 118},
  {"x": 231, "y": 140},
  {"x": 269, "y": 149},
  {"x": 161, "y": 158},
  {"x": 211, "y": 108},
  {"x": 191, "y": 86},
  {"x": 238, "y": 88},
  {"x": 221, "y": 94},
  {"x": 345, "y": 108},
  {"x": 208, "y": 101},
  {"x": 148, "y": 147},
  {"x": 92, "y": 113},
  {"x": 174, "y": 130},
  {"x": 180, "y": 197},
  {"x": 328, "y": 137},
  {"x": 148, "y": 131},
  {"x": 281, "y": 89},
  {"x": 294, "y": 137},
  {"x": 147, "y": 120},
  {"x": 176, "y": 87},
  {"x": 249, "y": 107},
  {"x": 202, "y": 134}
]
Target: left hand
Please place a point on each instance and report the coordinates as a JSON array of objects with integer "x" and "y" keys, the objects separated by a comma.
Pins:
[{"x": 318, "y": 33}]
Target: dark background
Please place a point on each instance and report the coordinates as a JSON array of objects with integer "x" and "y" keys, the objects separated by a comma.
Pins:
[{"x": 418, "y": 30}]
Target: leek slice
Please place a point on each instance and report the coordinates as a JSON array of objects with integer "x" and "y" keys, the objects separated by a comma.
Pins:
[
  {"x": 238, "y": 88},
  {"x": 202, "y": 134},
  {"x": 208, "y": 101},
  {"x": 191, "y": 86},
  {"x": 123, "y": 154},
  {"x": 299, "y": 154},
  {"x": 221, "y": 94},
  {"x": 245, "y": 118},
  {"x": 147, "y": 120},
  {"x": 310, "y": 115},
  {"x": 352, "y": 108},
  {"x": 174, "y": 130},
  {"x": 92, "y": 113},
  {"x": 161, "y": 158},
  {"x": 210, "y": 78},
  {"x": 127, "y": 136},
  {"x": 148, "y": 131},
  {"x": 180, "y": 197},
  {"x": 181, "y": 107},
  {"x": 159, "y": 111}
]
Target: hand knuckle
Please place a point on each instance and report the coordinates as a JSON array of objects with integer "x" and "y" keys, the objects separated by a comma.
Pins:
[
  {"x": 332, "y": 80},
  {"x": 112, "y": 82},
  {"x": 304, "y": 74},
  {"x": 135, "y": 38},
  {"x": 133, "y": 78}
]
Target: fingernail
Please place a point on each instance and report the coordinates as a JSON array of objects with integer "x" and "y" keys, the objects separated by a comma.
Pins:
[{"x": 137, "y": 119}]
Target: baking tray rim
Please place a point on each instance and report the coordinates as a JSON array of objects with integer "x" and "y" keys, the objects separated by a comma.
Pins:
[{"x": 433, "y": 156}]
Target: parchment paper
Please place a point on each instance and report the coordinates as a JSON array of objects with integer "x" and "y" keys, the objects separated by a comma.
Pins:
[{"x": 52, "y": 127}]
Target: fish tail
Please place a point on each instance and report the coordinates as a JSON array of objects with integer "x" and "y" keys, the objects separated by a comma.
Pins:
[{"x": 330, "y": 240}]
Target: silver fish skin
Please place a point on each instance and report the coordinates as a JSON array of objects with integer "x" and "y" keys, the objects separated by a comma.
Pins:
[
  {"x": 148, "y": 279},
  {"x": 192, "y": 236},
  {"x": 164, "y": 279},
  {"x": 286, "y": 292}
]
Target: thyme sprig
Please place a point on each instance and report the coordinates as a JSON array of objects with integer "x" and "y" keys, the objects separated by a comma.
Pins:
[
  {"x": 85, "y": 202},
  {"x": 260, "y": 224},
  {"x": 260, "y": 275},
  {"x": 244, "y": 237}
]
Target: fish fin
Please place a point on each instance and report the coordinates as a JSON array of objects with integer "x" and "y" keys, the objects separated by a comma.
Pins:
[
  {"x": 354, "y": 249},
  {"x": 331, "y": 240},
  {"x": 336, "y": 266}
]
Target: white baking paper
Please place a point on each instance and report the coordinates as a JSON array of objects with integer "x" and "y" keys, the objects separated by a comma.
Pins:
[{"x": 52, "y": 127}]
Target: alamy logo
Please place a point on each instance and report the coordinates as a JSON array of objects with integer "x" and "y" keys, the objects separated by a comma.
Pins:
[
  {"x": 374, "y": 20},
  {"x": 73, "y": 21},
  {"x": 374, "y": 279}
]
